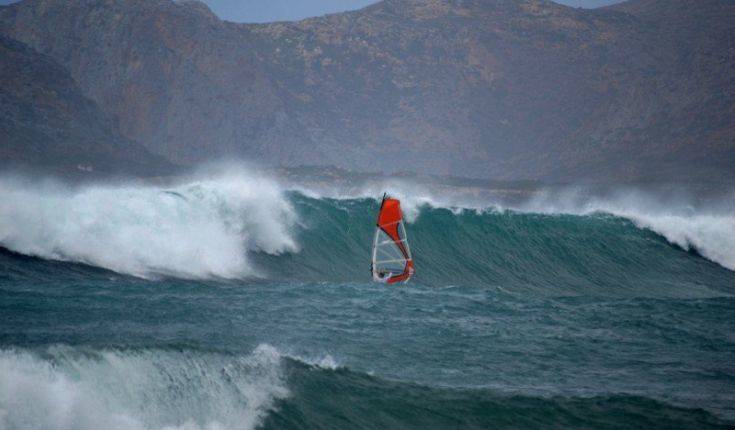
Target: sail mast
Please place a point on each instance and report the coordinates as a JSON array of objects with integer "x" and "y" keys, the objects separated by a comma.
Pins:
[{"x": 391, "y": 258}]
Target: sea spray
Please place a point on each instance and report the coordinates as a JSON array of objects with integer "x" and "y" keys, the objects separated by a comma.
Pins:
[
  {"x": 709, "y": 230},
  {"x": 199, "y": 228},
  {"x": 68, "y": 388},
  {"x": 554, "y": 314},
  {"x": 232, "y": 224},
  {"x": 534, "y": 331},
  {"x": 706, "y": 228},
  {"x": 65, "y": 388}
]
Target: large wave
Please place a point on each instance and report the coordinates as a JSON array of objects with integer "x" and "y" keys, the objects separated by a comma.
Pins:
[
  {"x": 708, "y": 230},
  {"x": 67, "y": 388},
  {"x": 237, "y": 225},
  {"x": 63, "y": 387},
  {"x": 200, "y": 228}
]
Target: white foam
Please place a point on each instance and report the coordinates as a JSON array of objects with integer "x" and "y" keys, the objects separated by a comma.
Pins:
[
  {"x": 712, "y": 235},
  {"x": 204, "y": 227},
  {"x": 150, "y": 389},
  {"x": 200, "y": 228},
  {"x": 710, "y": 230},
  {"x": 326, "y": 362},
  {"x": 413, "y": 196}
]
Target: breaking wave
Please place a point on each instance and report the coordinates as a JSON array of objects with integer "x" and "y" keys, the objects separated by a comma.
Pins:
[
  {"x": 198, "y": 229},
  {"x": 591, "y": 282},
  {"x": 137, "y": 389},
  {"x": 63, "y": 387},
  {"x": 239, "y": 225},
  {"x": 708, "y": 230}
]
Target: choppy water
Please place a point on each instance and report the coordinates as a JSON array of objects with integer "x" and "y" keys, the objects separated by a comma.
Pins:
[{"x": 233, "y": 303}]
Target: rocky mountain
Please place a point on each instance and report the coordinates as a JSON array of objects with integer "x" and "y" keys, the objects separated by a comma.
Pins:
[
  {"x": 46, "y": 122},
  {"x": 502, "y": 89}
]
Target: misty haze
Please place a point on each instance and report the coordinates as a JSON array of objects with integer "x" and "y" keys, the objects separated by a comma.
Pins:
[{"x": 275, "y": 214}]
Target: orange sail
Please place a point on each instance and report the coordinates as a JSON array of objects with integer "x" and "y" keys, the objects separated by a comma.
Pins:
[{"x": 392, "y": 261}]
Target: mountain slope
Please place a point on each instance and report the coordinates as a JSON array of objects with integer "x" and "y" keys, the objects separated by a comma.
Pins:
[
  {"x": 46, "y": 122},
  {"x": 499, "y": 88}
]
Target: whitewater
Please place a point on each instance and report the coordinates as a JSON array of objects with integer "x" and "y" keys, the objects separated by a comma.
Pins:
[
  {"x": 205, "y": 227},
  {"x": 242, "y": 300},
  {"x": 197, "y": 229}
]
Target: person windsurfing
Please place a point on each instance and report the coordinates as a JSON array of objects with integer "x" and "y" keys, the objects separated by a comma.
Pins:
[{"x": 392, "y": 261}]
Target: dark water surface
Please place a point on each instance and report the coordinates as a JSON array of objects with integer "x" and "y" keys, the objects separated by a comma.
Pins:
[{"x": 514, "y": 320}]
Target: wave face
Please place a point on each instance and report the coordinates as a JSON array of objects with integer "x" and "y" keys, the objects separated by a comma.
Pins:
[
  {"x": 545, "y": 253},
  {"x": 710, "y": 231},
  {"x": 244, "y": 226},
  {"x": 113, "y": 389},
  {"x": 236, "y": 302},
  {"x": 203, "y": 228},
  {"x": 190, "y": 390}
]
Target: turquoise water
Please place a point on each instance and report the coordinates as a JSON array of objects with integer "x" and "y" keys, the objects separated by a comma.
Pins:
[{"x": 513, "y": 320}]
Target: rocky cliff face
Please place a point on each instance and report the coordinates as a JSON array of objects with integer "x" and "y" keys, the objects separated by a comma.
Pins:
[
  {"x": 491, "y": 88},
  {"x": 46, "y": 122}
]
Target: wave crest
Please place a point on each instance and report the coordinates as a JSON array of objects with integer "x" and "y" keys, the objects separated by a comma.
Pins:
[
  {"x": 138, "y": 389},
  {"x": 710, "y": 231},
  {"x": 198, "y": 229}
]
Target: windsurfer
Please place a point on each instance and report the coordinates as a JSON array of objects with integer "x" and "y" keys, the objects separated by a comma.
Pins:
[{"x": 390, "y": 247}]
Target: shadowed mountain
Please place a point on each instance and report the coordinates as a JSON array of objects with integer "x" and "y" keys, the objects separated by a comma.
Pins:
[
  {"x": 504, "y": 89},
  {"x": 46, "y": 122}
]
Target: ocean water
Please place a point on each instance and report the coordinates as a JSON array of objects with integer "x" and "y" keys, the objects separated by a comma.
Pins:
[{"x": 236, "y": 302}]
